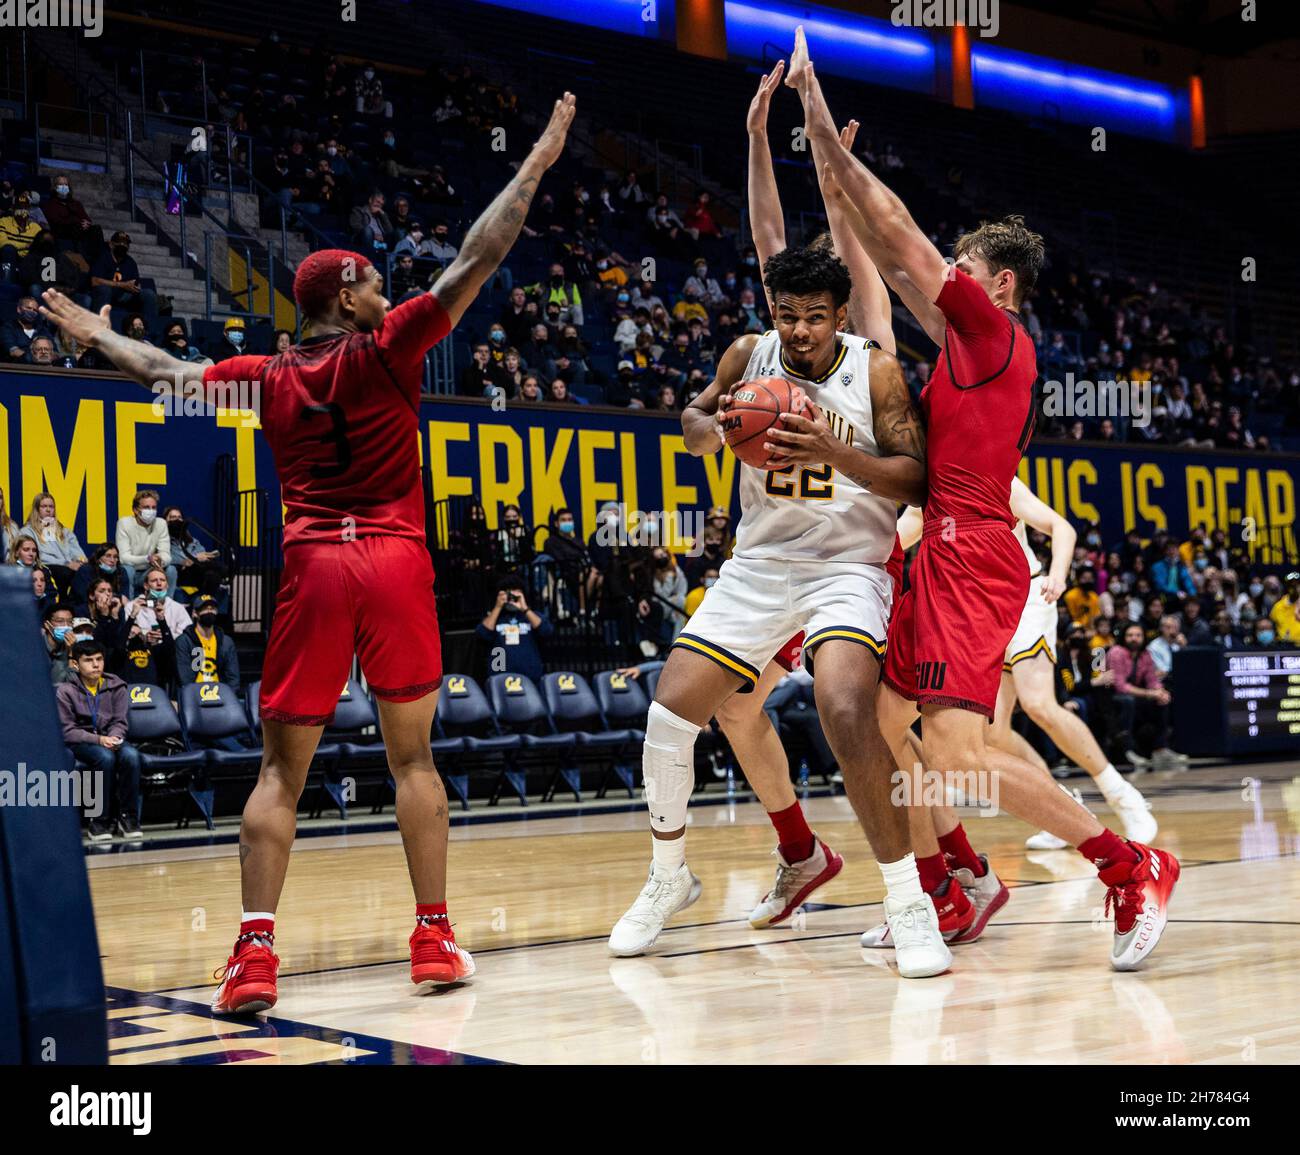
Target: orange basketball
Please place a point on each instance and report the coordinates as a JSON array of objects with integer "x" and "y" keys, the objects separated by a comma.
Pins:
[{"x": 756, "y": 406}]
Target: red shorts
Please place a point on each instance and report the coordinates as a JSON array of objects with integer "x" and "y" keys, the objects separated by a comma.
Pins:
[
  {"x": 790, "y": 656},
  {"x": 372, "y": 597},
  {"x": 948, "y": 634}
]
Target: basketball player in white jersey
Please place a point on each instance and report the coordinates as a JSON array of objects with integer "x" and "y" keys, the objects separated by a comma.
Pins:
[
  {"x": 804, "y": 861},
  {"x": 815, "y": 531}
]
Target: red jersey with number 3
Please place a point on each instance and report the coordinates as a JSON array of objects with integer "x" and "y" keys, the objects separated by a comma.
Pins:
[
  {"x": 341, "y": 414},
  {"x": 978, "y": 405}
]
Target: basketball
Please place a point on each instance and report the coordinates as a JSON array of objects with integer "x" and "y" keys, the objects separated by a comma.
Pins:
[{"x": 756, "y": 406}]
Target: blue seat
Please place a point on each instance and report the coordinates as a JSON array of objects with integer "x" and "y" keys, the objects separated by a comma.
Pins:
[
  {"x": 211, "y": 711},
  {"x": 464, "y": 713},
  {"x": 151, "y": 718},
  {"x": 622, "y": 700},
  {"x": 574, "y": 708},
  {"x": 520, "y": 709}
]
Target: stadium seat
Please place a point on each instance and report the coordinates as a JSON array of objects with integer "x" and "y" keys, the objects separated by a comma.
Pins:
[
  {"x": 574, "y": 707},
  {"x": 465, "y": 714},
  {"x": 152, "y": 721},
  {"x": 210, "y": 712},
  {"x": 623, "y": 702},
  {"x": 520, "y": 709}
]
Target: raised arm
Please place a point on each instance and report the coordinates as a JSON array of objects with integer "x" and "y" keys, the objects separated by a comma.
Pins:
[
  {"x": 766, "y": 221},
  {"x": 137, "y": 359},
  {"x": 881, "y": 221},
  {"x": 1032, "y": 511},
  {"x": 491, "y": 237},
  {"x": 701, "y": 425},
  {"x": 869, "y": 305}
]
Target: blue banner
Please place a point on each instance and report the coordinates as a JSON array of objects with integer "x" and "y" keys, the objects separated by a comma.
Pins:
[{"x": 93, "y": 440}]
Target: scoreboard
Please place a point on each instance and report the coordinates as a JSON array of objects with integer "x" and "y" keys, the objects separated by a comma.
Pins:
[
  {"x": 1229, "y": 702},
  {"x": 1261, "y": 691}
]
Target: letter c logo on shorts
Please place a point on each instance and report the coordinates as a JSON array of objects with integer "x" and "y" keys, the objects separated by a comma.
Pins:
[{"x": 141, "y": 695}]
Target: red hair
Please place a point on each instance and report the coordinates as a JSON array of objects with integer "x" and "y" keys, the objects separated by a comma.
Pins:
[{"x": 320, "y": 276}]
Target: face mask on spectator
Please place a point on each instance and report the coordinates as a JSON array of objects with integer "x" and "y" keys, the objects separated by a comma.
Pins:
[
  {"x": 158, "y": 595},
  {"x": 107, "y": 567},
  {"x": 236, "y": 338},
  {"x": 176, "y": 527},
  {"x": 369, "y": 74},
  {"x": 1256, "y": 588},
  {"x": 751, "y": 261},
  {"x": 119, "y": 251},
  {"x": 1265, "y": 636},
  {"x": 331, "y": 151},
  {"x": 61, "y": 190},
  {"x": 61, "y": 632},
  {"x": 624, "y": 299},
  {"x": 708, "y": 583},
  {"x": 497, "y": 336},
  {"x": 207, "y": 620},
  {"x": 147, "y": 516},
  {"x": 565, "y": 526}
]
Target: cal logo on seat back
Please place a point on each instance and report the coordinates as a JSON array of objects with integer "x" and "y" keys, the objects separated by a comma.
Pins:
[
  {"x": 210, "y": 692},
  {"x": 568, "y": 684},
  {"x": 618, "y": 682},
  {"x": 514, "y": 684},
  {"x": 456, "y": 686},
  {"x": 142, "y": 695}
]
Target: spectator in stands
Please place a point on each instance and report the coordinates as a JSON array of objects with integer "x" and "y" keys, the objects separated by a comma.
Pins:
[
  {"x": 512, "y": 543},
  {"x": 58, "y": 639},
  {"x": 645, "y": 297},
  {"x": 105, "y": 609},
  {"x": 665, "y": 400},
  {"x": 439, "y": 246},
  {"x": 143, "y": 542},
  {"x": 27, "y": 324},
  {"x": 512, "y": 629},
  {"x": 713, "y": 553},
  {"x": 558, "y": 392},
  {"x": 670, "y": 586},
  {"x": 204, "y": 652},
  {"x": 538, "y": 350},
  {"x": 47, "y": 266},
  {"x": 558, "y": 291},
  {"x": 531, "y": 388},
  {"x": 438, "y": 191},
  {"x": 18, "y": 230},
  {"x": 630, "y": 192},
  {"x": 371, "y": 229},
  {"x": 1285, "y": 612},
  {"x": 233, "y": 340},
  {"x": 508, "y": 374},
  {"x": 161, "y": 619},
  {"x": 414, "y": 243},
  {"x": 369, "y": 92},
  {"x": 60, "y": 551},
  {"x": 611, "y": 270},
  {"x": 1166, "y": 644},
  {"x": 135, "y": 328},
  {"x": 570, "y": 359},
  {"x": 23, "y": 551},
  {"x": 1170, "y": 574},
  {"x": 70, "y": 222},
  {"x": 322, "y": 187},
  {"x": 1194, "y": 627},
  {"x": 41, "y": 351},
  {"x": 196, "y": 567},
  {"x": 1264, "y": 635},
  {"x": 477, "y": 377},
  {"x": 282, "y": 341},
  {"x": 115, "y": 280},
  {"x": 666, "y": 228},
  {"x": 624, "y": 387},
  {"x": 105, "y": 564},
  {"x": 573, "y": 571},
  {"x": 176, "y": 340},
  {"x": 1082, "y": 600},
  {"x": 406, "y": 278},
  {"x": 1140, "y": 698},
  {"x": 699, "y": 220},
  {"x": 517, "y": 318},
  {"x": 93, "y": 713},
  {"x": 8, "y": 528}
]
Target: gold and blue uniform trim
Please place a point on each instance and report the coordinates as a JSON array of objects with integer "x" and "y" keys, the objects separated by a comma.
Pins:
[
  {"x": 843, "y": 633},
  {"x": 724, "y": 658},
  {"x": 1042, "y": 646}
]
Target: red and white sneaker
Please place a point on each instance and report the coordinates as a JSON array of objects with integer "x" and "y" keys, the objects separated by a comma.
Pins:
[
  {"x": 437, "y": 958},
  {"x": 1139, "y": 893},
  {"x": 248, "y": 978},
  {"x": 795, "y": 882},
  {"x": 987, "y": 895},
  {"x": 956, "y": 914}
]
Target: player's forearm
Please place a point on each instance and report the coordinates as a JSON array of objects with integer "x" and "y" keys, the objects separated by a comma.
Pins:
[
  {"x": 1063, "y": 539},
  {"x": 899, "y": 478},
  {"x": 143, "y": 362},
  {"x": 700, "y": 432},
  {"x": 869, "y": 306},
  {"x": 492, "y": 236},
  {"x": 766, "y": 223}
]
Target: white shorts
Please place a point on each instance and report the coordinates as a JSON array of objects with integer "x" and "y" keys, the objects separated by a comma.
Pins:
[
  {"x": 1036, "y": 633},
  {"x": 757, "y": 605}
]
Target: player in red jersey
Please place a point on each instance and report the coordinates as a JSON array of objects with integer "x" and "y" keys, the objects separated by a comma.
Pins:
[
  {"x": 341, "y": 414},
  {"x": 969, "y": 582}
]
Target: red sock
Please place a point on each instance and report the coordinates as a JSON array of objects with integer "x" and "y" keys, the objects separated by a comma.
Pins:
[
  {"x": 794, "y": 838},
  {"x": 956, "y": 848},
  {"x": 933, "y": 871},
  {"x": 1107, "y": 849},
  {"x": 432, "y": 914},
  {"x": 264, "y": 926}
]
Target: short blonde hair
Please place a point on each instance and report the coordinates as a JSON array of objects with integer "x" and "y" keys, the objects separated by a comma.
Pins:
[{"x": 141, "y": 494}]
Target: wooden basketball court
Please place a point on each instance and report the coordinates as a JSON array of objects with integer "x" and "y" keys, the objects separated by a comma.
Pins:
[{"x": 534, "y": 894}]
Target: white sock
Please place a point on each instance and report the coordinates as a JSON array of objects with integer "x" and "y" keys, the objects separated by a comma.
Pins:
[
  {"x": 1110, "y": 784},
  {"x": 250, "y": 915},
  {"x": 902, "y": 880},
  {"x": 670, "y": 854}
]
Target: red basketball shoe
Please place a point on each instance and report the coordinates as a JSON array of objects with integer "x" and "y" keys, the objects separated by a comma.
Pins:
[
  {"x": 436, "y": 958},
  {"x": 248, "y": 978},
  {"x": 1139, "y": 892}
]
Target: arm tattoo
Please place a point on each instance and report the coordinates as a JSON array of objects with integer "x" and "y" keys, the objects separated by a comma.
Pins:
[{"x": 898, "y": 426}]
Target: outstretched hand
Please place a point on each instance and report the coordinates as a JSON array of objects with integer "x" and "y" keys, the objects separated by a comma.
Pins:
[
  {"x": 74, "y": 321},
  {"x": 551, "y": 143},
  {"x": 848, "y": 134},
  {"x": 800, "y": 63},
  {"x": 756, "y": 120}
]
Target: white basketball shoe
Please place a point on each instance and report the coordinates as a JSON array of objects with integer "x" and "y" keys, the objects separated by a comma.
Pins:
[
  {"x": 664, "y": 895},
  {"x": 919, "y": 949}
]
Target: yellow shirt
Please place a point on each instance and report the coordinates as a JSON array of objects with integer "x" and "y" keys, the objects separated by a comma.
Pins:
[
  {"x": 685, "y": 310},
  {"x": 209, "y": 671},
  {"x": 1085, "y": 608},
  {"x": 694, "y": 598},
  {"x": 1286, "y": 616}
]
